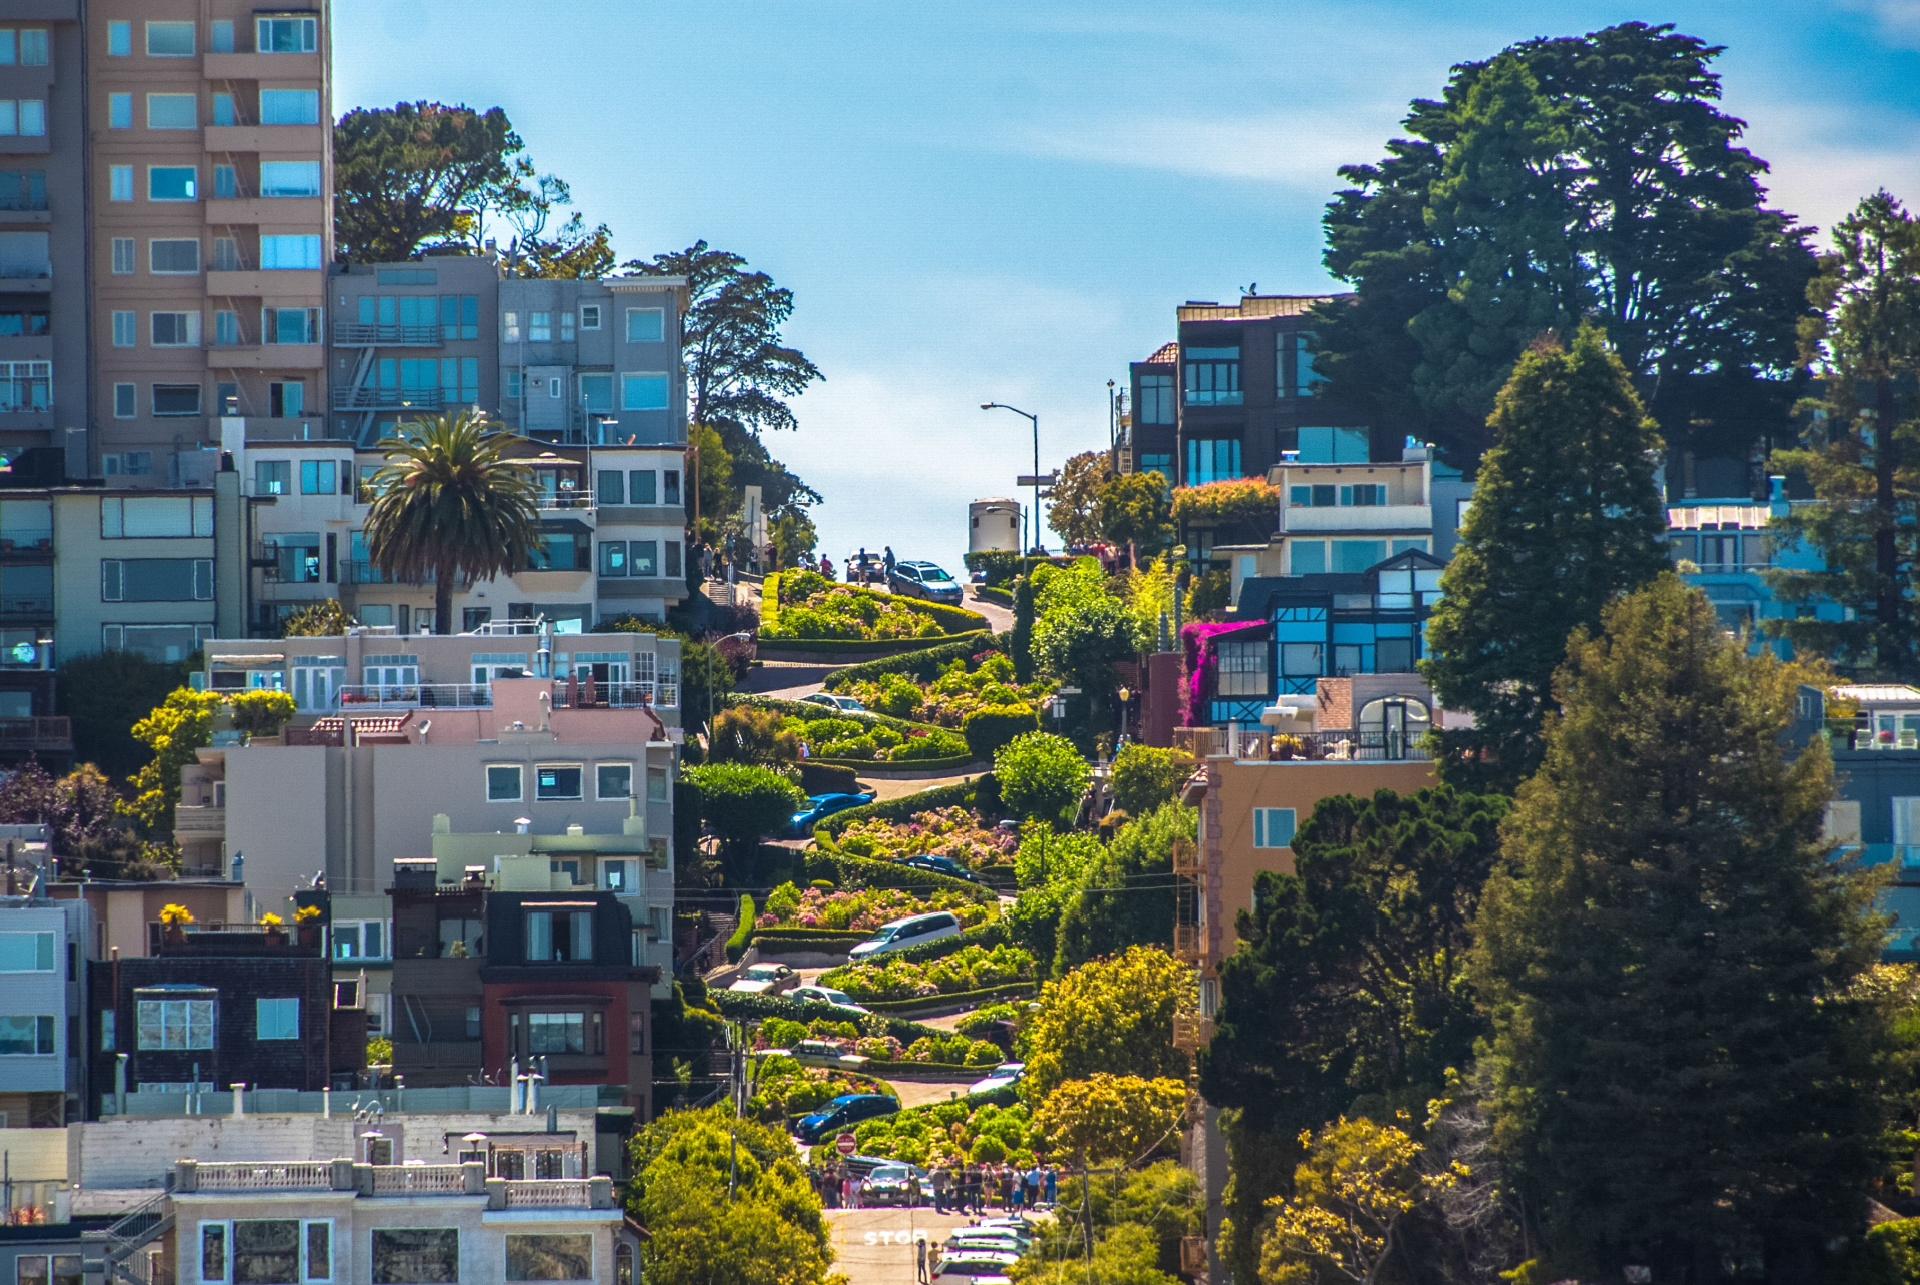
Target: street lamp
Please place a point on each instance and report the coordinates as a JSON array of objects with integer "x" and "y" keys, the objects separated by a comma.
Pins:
[{"x": 1036, "y": 459}]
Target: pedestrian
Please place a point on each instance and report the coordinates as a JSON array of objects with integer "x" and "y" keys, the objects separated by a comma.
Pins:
[
  {"x": 913, "y": 1189},
  {"x": 858, "y": 1183},
  {"x": 1053, "y": 1185},
  {"x": 826, "y": 566},
  {"x": 1009, "y": 1184},
  {"x": 886, "y": 558},
  {"x": 862, "y": 564},
  {"x": 1035, "y": 1180},
  {"x": 846, "y": 1192},
  {"x": 920, "y": 1260},
  {"x": 939, "y": 1189}
]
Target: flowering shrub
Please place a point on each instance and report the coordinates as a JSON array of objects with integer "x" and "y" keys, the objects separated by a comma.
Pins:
[
  {"x": 779, "y": 1033},
  {"x": 954, "y": 1050},
  {"x": 971, "y": 968},
  {"x": 786, "y": 1089},
  {"x": 846, "y": 738},
  {"x": 811, "y": 606},
  {"x": 949, "y": 698},
  {"x": 792, "y": 907},
  {"x": 954, "y": 832},
  {"x": 951, "y": 1131}
]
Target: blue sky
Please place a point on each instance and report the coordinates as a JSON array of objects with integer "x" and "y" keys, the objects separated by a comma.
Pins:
[{"x": 1005, "y": 202}]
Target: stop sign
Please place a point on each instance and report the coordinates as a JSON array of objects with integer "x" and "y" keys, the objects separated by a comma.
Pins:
[{"x": 844, "y": 1143}]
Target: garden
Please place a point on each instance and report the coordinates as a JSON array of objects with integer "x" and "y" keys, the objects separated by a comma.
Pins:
[
  {"x": 966, "y": 684},
  {"x": 810, "y": 606},
  {"x": 784, "y": 1089},
  {"x": 830, "y": 910},
  {"x": 966, "y": 971},
  {"x": 954, "y": 832},
  {"x": 950, "y": 1132},
  {"x": 934, "y": 1048},
  {"x": 777, "y": 733}
]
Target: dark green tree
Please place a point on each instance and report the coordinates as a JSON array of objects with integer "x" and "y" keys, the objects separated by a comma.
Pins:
[
  {"x": 1022, "y": 642},
  {"x": 1565, "y": 516},
  {"x": 1865, "y": 346},
  {"x": 743, "y": 804},
  {"x": 105, "y": 693},
  {"x": 1125, "y": 897},
  {"x": 1349, "y": 990},
  {"x": 1685, "y": 1066},
  {"x": 1136, "y": 511},
  {"x": 1564, "y": 179}
]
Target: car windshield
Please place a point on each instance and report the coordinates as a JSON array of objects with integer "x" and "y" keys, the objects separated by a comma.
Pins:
[
  {"x": 837, "y": 997},
  {"x": 763, "y": 972},
  {"x": 898, "y": 1173},
  {"x": 933, "y": 573}
]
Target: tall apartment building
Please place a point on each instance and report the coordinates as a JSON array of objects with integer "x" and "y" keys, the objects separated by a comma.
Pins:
[{"x": 210, "y": 173}]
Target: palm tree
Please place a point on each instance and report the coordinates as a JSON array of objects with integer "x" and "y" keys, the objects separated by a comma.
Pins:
[{"x": 447, "y": 503}]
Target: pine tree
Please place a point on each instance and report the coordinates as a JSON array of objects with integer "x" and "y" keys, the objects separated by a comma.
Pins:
[
  {"x": 1683, "y": 1069},
  {"x": 1564, "y": 517},
  {"x": 1865, "y": 344}
]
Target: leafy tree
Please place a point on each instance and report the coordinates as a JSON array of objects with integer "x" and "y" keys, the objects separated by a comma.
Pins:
[
  {"x": 80, "y": 806},
  {"x": 748, "y": 735},
  {"x": 260, "y": 713},
  {"x": 793, "y": 537},
  {"x": 743, "y": 803},
  {"x": 713, "y": 492},
  {"x": 1125, "y": 897},
  {"x": 1112, "y": 1117},
  {"x": 1123, "y": 1254},
  {"x": 1042, "y": 776},
  {"x": 1073, "y": 509},
  {"x": 1135, "y": 511},
  {"x": 1234, "y": 508},
  {"x": 1113, "y": 1016},
  {"x": 1161, "y": 1199},
  {"x": 179, "y": 725},
  {"x": 1145, "y": 778},
  {"x": 1021, "y": 644},
  {"x": 767, "y": 1231},
  {"x": 1683, "y": 1067},
  {"x": 1566, "y": 178},
  {"x": 104, "y": 694},
  {"x": 328, "y": 619},
  {"x": 1565, "y": 516},
  {"x": 448, "y": 503},
  {"x": 1865, "y": 344}
]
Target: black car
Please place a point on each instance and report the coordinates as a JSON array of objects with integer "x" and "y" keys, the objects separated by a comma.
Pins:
[
  {"x": 941, "y": 866},
  {"x": 842, "y": 1113}
]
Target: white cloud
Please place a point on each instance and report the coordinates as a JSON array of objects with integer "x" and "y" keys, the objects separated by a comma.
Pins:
[
  {"x": 1300, "y": 148},
  {"x": 1825, "y": 158},
  {"x": 1896, "y": 18}
]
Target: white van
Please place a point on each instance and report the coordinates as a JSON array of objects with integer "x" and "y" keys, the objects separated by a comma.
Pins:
[{"x": 911, "y": 931}]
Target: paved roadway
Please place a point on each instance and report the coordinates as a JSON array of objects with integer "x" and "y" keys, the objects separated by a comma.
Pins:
[{"x": 876, "y": 1246}]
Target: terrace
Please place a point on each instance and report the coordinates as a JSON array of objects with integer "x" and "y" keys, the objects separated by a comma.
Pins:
[{"x": 469, "y": 1178}]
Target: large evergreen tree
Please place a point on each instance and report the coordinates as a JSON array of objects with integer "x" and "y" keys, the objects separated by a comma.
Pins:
[
  {"x": 1564, "y": 517},
  {"x": 1865, "y": 346},
  {"x": 1682, "y": 1071},
  {"x": 1568, "y": 178}
]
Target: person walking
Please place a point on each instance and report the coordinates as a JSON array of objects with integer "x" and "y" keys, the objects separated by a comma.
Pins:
[
  {"x": 939, "y": 1189},
  {"x": 887, "y": 561},
  {"x": 1053, "y": 1185},
  {"x": 1035, "y": 1181},
  {"x": 920, "y": 1261}
]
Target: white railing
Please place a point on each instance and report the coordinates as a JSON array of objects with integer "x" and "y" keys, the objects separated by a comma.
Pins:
[
  {"x": 550, "y": 1193},
  {"x": 406, "y": 1180},
  {"x": 298, "y": 1175},
  {"x": 353, "y": 696}
]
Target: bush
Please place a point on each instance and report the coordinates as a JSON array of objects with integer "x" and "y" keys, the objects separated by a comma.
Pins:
[
  {"x": 742, "y": 931},
  {"x": 922, "y": 666},
  {"x": 960, "y": 794},
  {"x": 743, "y": 803},
  {"x": 744, "y": 1007},
  {"x": 1041, "y": 775},
  {"x": 261, "y": 713},
  {"x": 972, "y": 968},
  {"x": 844, "y": 870},
  {"x": 749, "y": 735},
  {"x": 934, "y": 745},
  {"x": 992, "y": 726},
  {"x": 1145, "y": 777}
]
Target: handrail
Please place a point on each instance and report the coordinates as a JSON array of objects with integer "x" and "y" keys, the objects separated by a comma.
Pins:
[{"x": 292, "y": 1175}]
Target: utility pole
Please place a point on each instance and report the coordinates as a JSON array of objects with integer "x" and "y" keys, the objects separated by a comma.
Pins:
[
  {"x": 735, "y": 1038},
  {"x": 1086, "y": 1210}
]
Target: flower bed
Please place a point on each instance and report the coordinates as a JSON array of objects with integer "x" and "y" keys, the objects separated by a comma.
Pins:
[
  {"x": 786, "y": 1089},
  {"x": 812, "y": 607},
  {"x": 789, "y": 906},
  {"x": 831, "y": 735},
  {"x": 975, "y": 968},
  {"x": 956, "y": 832},
  {"x": 963, "y": 686},
  {"x": 952, "y": 1131}
]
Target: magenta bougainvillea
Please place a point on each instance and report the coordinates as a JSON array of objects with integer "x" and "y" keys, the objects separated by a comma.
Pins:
[{"x": 1200, "y": 670}]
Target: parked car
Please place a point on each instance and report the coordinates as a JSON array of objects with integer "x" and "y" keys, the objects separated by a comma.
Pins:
[
  {"x": 976, "y": 1267},
  {"x": 896, "y": 1184},
  {"x": 1005, "y": 1076},
  {"x": 825, "y": 1053},
  {"x": 832, "y": 701},
  {"x": 995, "y": 1240},
  {"x": 820, "y": 807},
  {"x": 824, "y": 995},
  {"x": 941, "y": 865},
  {"x": 868, "y": 570},
  {"x": 842, "y": 1113},
  {"x": 765, "y": 979},
  {"x": 924, "y": 580},
  {"x": 911, "y": 931}
]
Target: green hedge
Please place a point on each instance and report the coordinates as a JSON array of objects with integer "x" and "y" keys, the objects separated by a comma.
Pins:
[
  {"x": 959, "y": 1070},
  {"x": 983, "y": 792},
  {"x": 811, "y": 945},
  {"x": 813, "y": 711},
  {"x": 994, "y": 593},
  {"x": 769, "y": 599},
  {"x": 853, "y": 873},
  {"x": 828, "y": 778},
  {"x": 990, "y": 727},
  {"x": 923, "y": 666},
  {"x": 854, "y": 646},
  {"x": 852, "y": 938},
  {"x": 1007, "y": 990},
  {"x": 952, "y": 620},
  {"x": 743, "y": 931},
  {"x": 736, "y": 1005}
]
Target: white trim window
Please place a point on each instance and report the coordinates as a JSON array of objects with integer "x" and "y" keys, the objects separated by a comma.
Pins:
[
  {"x": 362, "y": 939},
  {"x": 644, "y": 390},
  {"x": 613, "y": 780},
  {"x": 646, "y": 325},
  {"x": 27, "y": 953},
  {"x": 1273, "y": 827},
  {"x": 267, "y": 1249}
]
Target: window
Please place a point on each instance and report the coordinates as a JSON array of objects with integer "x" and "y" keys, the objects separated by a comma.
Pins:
[
  {"x": 173, "y": 256},
  {"x": 119, "y": 111},
  {"x": 1213, "y": 376},
  {"x": 282, "y": 1250},
  {"x": 276, "y": 1019},
  {"x": 611, "y": 487},
  {"x": 33, "y": 47},
  {"x": 545, "y": 1257},
  {"x": 1273, "y": 827},
  {"x": 126, "y": 329},
  {"x": 561, "y": 936},
  {"x": 175, "y": 1023},
  {"x": 26, "y": 1035},
  {"x": 1300, "y": 660},
  {"x": 124, "y": 398},
  {"x": 270, "y": 477},
  {"x": 156, "y": 580},
  {"x": 289, "y": 178},
  {"x": 317, "y": 477},
  {"x": 25, "y": 116},
  {"x": 670, "y": 485},
  {"x": 589, "y": 316},
  {"x": 290, "y": 325},
  {"x": 289, "y": 252},
  {"x": 226, "y": 183},
  {"x": 596, "y": 394},
  {"x": 646, "y": 325},
  {"x": 286, "y": 35},
  {"x": 513, "y": 384},
  {"x": 1305, "y": 377},
  {"x": 1369, "y": 495},
  {"x": 613, "y": 554},
  {"x": 175, "y": 329},
  {"x": 1212, "y": 460},
  {"x": 668, "y": 691},
  {"x": 26, "y": 952},
  {"x": 223, "y": 113},
  {"x": 641, "y": 488},
  {"x": 170, "y": 40},
  {"x": 503, "y": 783},
  {"x": 119, "y": 39},
  {"x": 557, "y": 1033},
  {"x": 1243, "y": 668},
  {"x": 1155, "y": 404},
  {"x": 643, "y": 558},
  {"x": 416, "y": 1256},
  {"x": 173, "y": 111},
  {"x": 226, "y": 328},
  {"x": 220, "y": 36},
  {"x": 16, "y": 323},
  {"x": 151, "y": 516},
  {"x": 1333, "y": 445},
  {"x": 1393, "y": 656},
  {"x": 656, "y": 785},
  {"x": 124, "y": 253},
  {"x": 673, "y": 559},
  {"x": 510, "y": 329},
  {"x": 556, "y": 781},
  {"x": 174, "y": 183},
  {"x": 120, "y": 182},
  {"x": 1352, "y": 556},
  {"x": 48, "y": 1269},
  {"x": 360, "y": 939},
  {"x": 539, "y": 327},
  {"x": 613, "y": 781},
  {"x": 1309, "y": 557},
  {"x": 289, "y": 107}
]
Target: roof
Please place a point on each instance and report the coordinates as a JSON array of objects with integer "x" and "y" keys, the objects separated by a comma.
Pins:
[
  {"x": 1164, "y": 355},
  {"x": 1877, "y": 693},
  {"x": 1254, "y": 305}
]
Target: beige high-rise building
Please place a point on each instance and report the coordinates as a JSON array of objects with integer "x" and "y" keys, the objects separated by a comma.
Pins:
[{"x": 210, "y": 176}]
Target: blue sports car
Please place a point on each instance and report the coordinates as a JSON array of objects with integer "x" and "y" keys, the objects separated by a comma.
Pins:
[{"x": 819, "y": 808}]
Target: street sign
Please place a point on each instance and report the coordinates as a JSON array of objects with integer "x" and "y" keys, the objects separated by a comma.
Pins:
[
  {"x": 1042, "y": 479},
  {"x": 844, "y": 1144}
]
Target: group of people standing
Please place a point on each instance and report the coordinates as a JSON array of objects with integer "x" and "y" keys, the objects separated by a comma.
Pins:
[
  {"x": 972, "y": 1188},
  {"x": 861, "y": 567}
]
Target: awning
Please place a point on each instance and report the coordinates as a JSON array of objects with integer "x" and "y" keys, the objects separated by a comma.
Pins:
[
  {"x": 259, "y": 660},
  {"x": 573, "y": 526}
]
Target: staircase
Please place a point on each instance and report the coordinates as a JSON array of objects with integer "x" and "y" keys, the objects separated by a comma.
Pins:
[{"x": 121, "y": 1244}]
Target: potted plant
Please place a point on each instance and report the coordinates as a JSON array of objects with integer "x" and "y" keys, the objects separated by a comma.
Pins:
[
  {"x": 276, "y": 928},
  {"x": 174, "y": 919},
  {"x": 1287, "y": 747},
  {"x": 306, "y": 922}
]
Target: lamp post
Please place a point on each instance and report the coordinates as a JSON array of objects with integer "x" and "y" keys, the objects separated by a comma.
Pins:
[
  {"x": 1124, "y": 696},
  {"x": 1035, "y": 419}
]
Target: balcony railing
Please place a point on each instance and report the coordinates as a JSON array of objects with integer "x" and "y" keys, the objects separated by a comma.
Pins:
[
  {"x": 199, "y": 819},
  {"x": 566, "y": 500},
  {"x": 25, "y": 604},
  {"x": 1186, "y": 943},
  {"x": 296, "y": 1175},
  {"x": 364, "y": 335},
  {"x": 414, "y": 696},
  {"x": 550, "y": 1193},
  {"x": 37, "y": 730},
  {"x": 386, "y": 398},
  {"x": 410, "y": 1180},
  {"x": 1191, "y": 1031},
  {"x": 605, "y": 696},
  {"x": 1337, "y": 745},
  {"x": 367, "y": 573}
]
